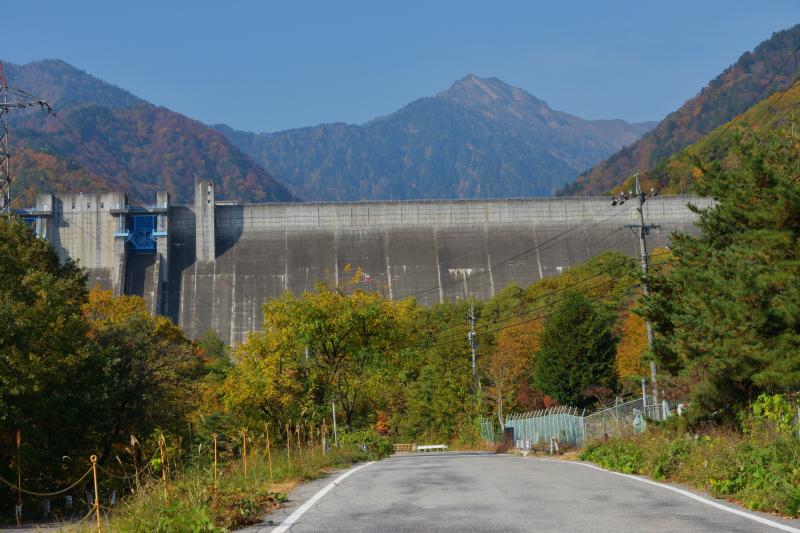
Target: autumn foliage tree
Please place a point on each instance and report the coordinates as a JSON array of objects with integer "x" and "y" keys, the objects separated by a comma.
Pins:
[
  {"x": 510, "y": 364},
  {"x": 631, "y": 347},
  {"x": 144, "y": 370},
  {"x": 326, "y": 345}
]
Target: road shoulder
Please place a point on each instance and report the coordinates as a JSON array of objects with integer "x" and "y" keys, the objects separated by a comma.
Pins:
[
  {"x": 297, "y": 497},
  {"x": 780, "y": 523}
]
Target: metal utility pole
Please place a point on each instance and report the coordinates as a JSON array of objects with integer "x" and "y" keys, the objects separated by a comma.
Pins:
[
  {"x": 473, "y": 344},
  {"x": 641, "y": 229},
  {"x": 642, "y": 197},
  {"x": 11, "y": 99},
  {"x": 335, "y": 435}
]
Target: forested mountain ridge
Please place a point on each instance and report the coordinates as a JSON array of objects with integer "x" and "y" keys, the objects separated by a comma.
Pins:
[
  {"x": 680, "y": 172},
  {"x": 479, "y": 138},
  {"x": 115, "y": 140},
  {"x": 725, "y": 97}
]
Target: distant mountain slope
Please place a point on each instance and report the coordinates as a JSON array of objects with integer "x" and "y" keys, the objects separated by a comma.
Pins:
[
  {"x": 720, "y": 101},
  {"x": 67, "y": 86},
  {"x": 479, "y": 138},
  {"x": 36, "y": 172},
  {"x": 121, "y": 142},
  {"x": 679, "y": 173}
]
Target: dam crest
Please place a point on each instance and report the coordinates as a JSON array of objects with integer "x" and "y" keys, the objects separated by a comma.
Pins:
[{"x": 212, "y": 264}]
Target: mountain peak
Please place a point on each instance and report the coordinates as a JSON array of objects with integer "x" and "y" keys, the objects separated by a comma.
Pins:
[
  {"x": 476, "y": 88},
  {"x": 65, "y": 85},
  {"x": 492, "y": 96}
]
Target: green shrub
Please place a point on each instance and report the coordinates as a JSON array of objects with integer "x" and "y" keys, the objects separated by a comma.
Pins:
[
  {"x": 760, "y": 471},
  {"x": 770, "y": 413},
  {"x": 623, "y": 455},
  {"x": 377, "y": 446},
  {"x": 671, "y": 458}
]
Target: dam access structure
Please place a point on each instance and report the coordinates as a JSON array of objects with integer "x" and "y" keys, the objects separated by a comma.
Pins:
[{"x": 212, "y": 264}]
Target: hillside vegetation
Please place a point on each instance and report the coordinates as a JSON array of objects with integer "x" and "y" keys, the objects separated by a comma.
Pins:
[
  {"x": 38, "y": 171},
  {"x": 122, "y": 142},
  {"x": 681, "y": 172},
  {"x": 727, "y": 331},
  {"x": 480, "y": 138},
  {"x": 725, "y": 97}
]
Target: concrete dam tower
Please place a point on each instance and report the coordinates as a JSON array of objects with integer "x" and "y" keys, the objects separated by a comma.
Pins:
[{"x": 212, "y": 264}]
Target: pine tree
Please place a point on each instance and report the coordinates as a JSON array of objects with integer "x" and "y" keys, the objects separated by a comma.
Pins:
[
  {"x": 728, "y": 315},
  {"x": 577, "y": 352}
]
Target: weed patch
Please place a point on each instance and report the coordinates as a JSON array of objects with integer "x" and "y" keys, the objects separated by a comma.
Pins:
[
  {"x": 762, "y": 472},
  {"x": 196, "y": 505}
]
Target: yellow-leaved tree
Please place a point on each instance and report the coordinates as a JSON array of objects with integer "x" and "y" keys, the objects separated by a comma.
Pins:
[
  {"x": 510, "y": 364},
  {"x": 327, "y": 345},
  {"x": 631, "y": 347}
]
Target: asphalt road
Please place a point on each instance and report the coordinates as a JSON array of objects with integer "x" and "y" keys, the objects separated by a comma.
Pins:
[{"x": 482, "y": 492}]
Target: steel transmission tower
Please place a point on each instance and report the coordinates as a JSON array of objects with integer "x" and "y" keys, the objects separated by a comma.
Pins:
[{"x": 11, "y": 99}]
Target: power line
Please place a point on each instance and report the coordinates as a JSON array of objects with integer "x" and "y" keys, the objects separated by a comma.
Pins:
[
  {"x": 447, "y": 338},
  {"x": 528, "y": 320},
  {"x": 757, "y": 97},
  {"x": 537, "y": 248},
  {"x": 450, "y": 339},
  {"x": 11, "y": 99},
  {"x": 87, "y": 148},
  {"x": 621, "y": 264},
  {"x": 419, "y": 379}
]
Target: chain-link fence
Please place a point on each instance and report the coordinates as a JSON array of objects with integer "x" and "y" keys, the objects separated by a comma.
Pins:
[
  {"x": 488, "y": 430},
  {"x": 571, "y": 426},
  {"x": 621, "y": 419},
  {"x": 539, "y": 427}
]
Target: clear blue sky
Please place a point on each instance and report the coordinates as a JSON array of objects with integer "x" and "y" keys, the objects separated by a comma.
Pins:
[{"x": 267, "y": 66}]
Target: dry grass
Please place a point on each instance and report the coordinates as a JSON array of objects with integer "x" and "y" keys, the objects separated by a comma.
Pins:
[{"x": 196, "y": 505}]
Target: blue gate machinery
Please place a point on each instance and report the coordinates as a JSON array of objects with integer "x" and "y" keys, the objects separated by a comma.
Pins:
[{"x": 141, "y": 233}]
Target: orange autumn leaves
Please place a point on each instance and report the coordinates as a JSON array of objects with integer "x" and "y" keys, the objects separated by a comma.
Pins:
[
  {"x": 632, "y": 344},
  {"x": 509, "y": 365}
]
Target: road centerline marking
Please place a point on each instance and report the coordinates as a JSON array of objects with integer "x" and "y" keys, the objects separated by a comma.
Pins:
[
  {"x": 688, "y": 494},
  {"x": 295, "y": 516}
]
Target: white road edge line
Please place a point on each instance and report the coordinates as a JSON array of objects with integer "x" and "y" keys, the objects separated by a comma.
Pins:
[
  {"x": 295, "y": 516},
  {"x": 688, "y": 494}
]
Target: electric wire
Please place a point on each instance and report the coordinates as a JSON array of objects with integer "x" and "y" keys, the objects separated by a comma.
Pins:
[
  {"x": 419, "y": 379},
  {"x": 757, "y": 97},
  {"x": 452, "y": 339},
  {"x": 537, "y": 248},
  {"x": 88, "y": 149},
  {"x": 621, "y": 264}
]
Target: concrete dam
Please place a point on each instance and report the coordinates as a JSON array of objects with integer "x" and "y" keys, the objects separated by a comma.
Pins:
[{"x": 212, "y": 264}]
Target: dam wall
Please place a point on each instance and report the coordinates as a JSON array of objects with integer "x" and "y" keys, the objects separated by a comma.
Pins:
[{"x": 212, "y": 264}]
